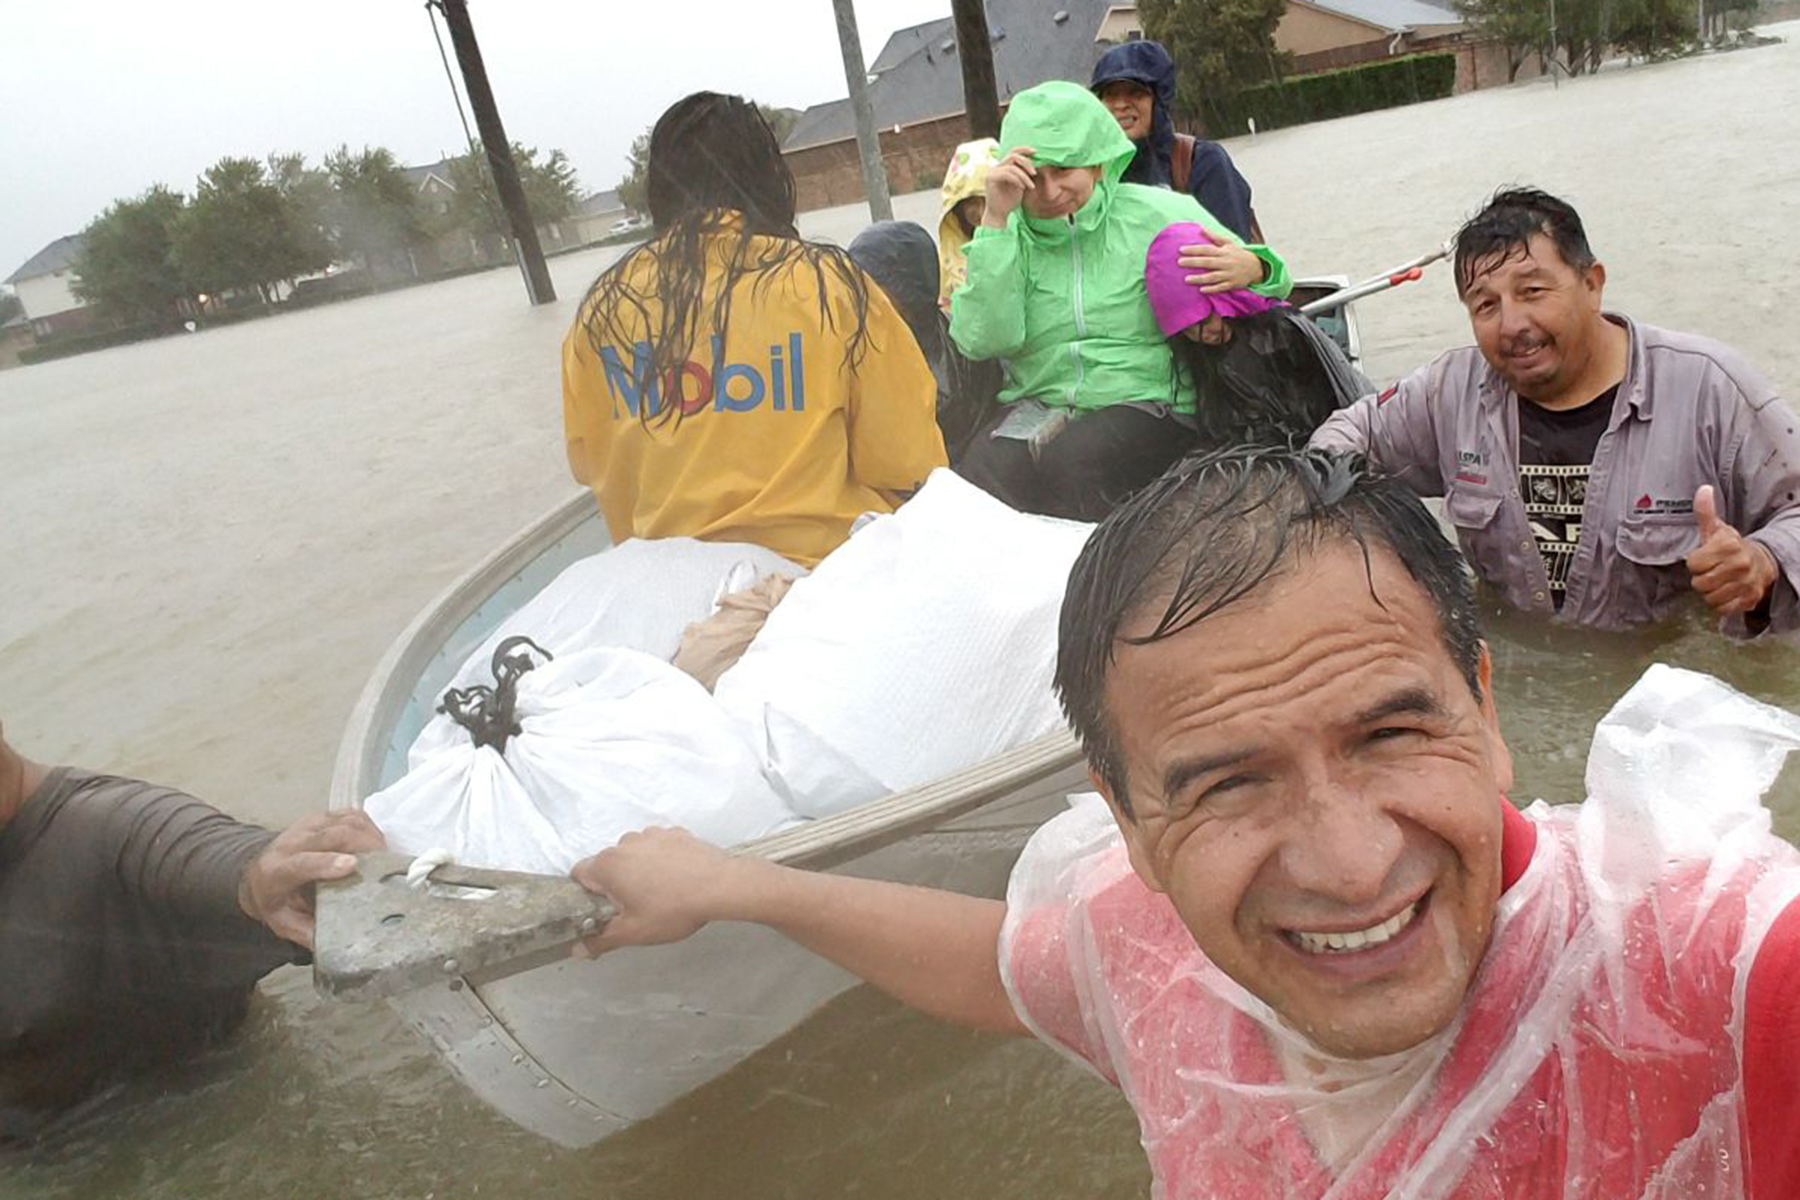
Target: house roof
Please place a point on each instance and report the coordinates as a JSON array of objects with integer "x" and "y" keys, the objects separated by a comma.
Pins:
[
  {"x": 920, "y": 81},
  {"x": 908, "y": 42},
  {"x": 419, "y": 176},
  {"x": 599, "y": 204},
  {"x": 1394, "y": 16},
  {"x": 54, "y": 257}
]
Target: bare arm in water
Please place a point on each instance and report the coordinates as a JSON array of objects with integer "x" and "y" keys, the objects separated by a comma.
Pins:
[{"x": 935, "y": 951}]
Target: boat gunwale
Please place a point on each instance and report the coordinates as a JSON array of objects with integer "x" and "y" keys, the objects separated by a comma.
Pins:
[
  {"x": 817, "y": 844},
  {"x": 379, "y": 704}
]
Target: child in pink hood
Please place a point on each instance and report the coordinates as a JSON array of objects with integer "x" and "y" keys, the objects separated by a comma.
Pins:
[{"x": 1262, "y": 373}]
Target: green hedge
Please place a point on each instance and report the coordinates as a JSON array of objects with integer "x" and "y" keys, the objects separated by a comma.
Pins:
[
  {"x": 1340, "y": 93},
  {"x": 81, "y": 343},
  {"x": 105, "y": 339}
]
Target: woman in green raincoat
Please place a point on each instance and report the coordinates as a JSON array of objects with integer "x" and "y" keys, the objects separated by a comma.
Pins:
[{"x": 1094, "y": 406}]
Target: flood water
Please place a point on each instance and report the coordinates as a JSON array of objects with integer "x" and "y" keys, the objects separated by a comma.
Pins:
[{"x": 206, "y": 542}]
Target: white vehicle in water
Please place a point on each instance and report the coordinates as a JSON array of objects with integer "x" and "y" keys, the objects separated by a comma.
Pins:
[{"x": 575, "y": 1051}]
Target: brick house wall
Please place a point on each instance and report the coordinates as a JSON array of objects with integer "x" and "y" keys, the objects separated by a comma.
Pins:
[{"x": 915, "y": 157}]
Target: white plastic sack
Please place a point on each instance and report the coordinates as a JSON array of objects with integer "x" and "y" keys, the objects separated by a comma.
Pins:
[
  {"x": 1599, "y": 1048},
  {"x": 640, "y": 594},
  {"x": 922, "y": 646},
  {"x": 611, "y": 740}
]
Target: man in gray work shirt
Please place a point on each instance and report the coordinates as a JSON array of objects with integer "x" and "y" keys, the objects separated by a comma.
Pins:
[
  {"x": 134, "y": 922},
  {"x": 1595, "y": 468}
]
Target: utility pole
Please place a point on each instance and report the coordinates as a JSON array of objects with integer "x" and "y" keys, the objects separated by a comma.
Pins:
[
  {"x": 856, "y": 74},
  {"x": 981, "y": 98},
  {"x": 499, "y": 151}
]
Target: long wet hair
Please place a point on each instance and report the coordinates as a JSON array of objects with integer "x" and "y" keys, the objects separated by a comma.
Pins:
[
  {"x": 713, "y": 160},
  {"x": 1265, "y": 387}
]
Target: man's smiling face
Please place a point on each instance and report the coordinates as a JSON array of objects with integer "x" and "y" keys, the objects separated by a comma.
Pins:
[
  {"x": 1317, "y": 790},
  {"x": 1536, "y": 319}
]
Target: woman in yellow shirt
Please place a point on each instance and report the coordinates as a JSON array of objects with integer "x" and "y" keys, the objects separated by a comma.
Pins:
[{"x": 731, "y": 381}]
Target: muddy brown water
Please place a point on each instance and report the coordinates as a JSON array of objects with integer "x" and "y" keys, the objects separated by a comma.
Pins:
[{"x": 205, "y": 542}]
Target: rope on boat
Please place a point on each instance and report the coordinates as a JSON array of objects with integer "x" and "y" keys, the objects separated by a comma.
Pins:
[
  {"x": 487, "y": 712},
  {"x": 418, "y": 875}
]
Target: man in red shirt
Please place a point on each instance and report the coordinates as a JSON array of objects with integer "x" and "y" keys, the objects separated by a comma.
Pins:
[{"x": 1305, "y": 933}]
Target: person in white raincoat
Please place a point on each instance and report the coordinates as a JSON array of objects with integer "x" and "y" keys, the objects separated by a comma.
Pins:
[{"x": 1302, "y": 928}]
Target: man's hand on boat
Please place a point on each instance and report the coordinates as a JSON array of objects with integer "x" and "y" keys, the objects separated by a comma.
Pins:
[
  {"x": 666, "y": 884},
  {"x": 277, "y": 887},
  {"x": 930, "y": 949}
]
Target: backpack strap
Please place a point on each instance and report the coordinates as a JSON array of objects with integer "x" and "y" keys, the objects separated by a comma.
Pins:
[{"x": 1181, "y": 163}]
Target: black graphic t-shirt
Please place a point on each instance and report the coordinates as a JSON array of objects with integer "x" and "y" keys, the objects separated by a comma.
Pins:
[{"x": 1556, "y": 451}]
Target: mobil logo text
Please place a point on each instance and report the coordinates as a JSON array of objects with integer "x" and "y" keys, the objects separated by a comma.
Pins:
[{"x": 693, "y": 387}]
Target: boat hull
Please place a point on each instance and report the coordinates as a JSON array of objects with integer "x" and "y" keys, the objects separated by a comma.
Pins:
[{"x": 580, "y": 1050}]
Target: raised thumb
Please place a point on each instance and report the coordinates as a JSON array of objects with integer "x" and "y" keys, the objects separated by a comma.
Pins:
[{"x": 1706, "y": 512}]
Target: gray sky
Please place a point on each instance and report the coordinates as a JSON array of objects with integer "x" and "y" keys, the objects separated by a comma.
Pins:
[{"x": 106, "y": 97}]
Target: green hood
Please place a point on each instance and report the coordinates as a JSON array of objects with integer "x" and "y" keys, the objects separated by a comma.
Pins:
[{"x": 1068, "y": 127}]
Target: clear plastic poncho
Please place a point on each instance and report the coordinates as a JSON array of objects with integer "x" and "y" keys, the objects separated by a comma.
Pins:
[{"x": 1598, "y": 1050}]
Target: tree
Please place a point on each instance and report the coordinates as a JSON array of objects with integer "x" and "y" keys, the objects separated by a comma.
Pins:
[
  {"x": 310, "y": 201},
  {"x": 1219, "y": 46},
  {"x": 1653, "y": 29},
  {"x": 126, "y": 268},
  {"x": 551, "y": 189},
  {"x": 634, "y": 188},
  {"x": 240, "y": 233},
  {"x": 10, "y": 305},
  {"x": 374, "y": 213},
  {"x": 1520, "y": 26},
  {"x": 781, "y": 120}
]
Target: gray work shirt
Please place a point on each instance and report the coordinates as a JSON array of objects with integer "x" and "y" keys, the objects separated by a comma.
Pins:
[
  {"x": 121, "y": 940},
  {"x": 1689, "y": 411}
]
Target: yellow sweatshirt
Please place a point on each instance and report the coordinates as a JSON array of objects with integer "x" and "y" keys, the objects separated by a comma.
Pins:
[{"x": 780, "y": 442}]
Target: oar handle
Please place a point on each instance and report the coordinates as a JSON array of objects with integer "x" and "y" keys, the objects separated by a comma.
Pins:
[{"x": 1404, "y": 273}]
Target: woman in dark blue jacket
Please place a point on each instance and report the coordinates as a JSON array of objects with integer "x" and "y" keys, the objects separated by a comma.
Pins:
[{"x": 1136, "y": 82}]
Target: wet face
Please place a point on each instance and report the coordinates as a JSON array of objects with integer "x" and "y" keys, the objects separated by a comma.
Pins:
[
  {"x": 1132, "y": 106},
  {"x": 970, "y": 210},
  {"x": 1317, "y": 791},
  {"x": 1214, "y": 331},
  {"x": 1060, "y": 191},
  {"x": 1537, "y": 319}
]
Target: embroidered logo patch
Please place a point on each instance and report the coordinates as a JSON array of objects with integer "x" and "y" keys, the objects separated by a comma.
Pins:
[{"x": 1664, "y": 506}]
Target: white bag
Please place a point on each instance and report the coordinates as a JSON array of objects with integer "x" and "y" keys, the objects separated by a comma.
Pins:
[
  {"x": 640, "y": 594},
  {"x": 608, "y": 741},
  {"x": 922, "y": 646}
]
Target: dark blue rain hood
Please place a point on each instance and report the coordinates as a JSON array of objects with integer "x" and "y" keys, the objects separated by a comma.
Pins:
[
  {"x": 1147, "y": 63},
  {"x": 902, "y": 258}
]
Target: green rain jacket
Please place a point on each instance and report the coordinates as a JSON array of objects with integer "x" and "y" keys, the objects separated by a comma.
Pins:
[{"x": 1063, "y": 300}]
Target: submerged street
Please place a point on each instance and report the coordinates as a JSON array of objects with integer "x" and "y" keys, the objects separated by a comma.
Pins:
[{"x": 210, "y": 539}]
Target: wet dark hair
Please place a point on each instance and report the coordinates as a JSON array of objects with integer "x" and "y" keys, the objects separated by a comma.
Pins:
[
  {"x": 1265, "y": 387},
  {"x": 1504, "y": 227},
  {"x": 1215, "y": 529},
  {"x": 713, "y": 162}
]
